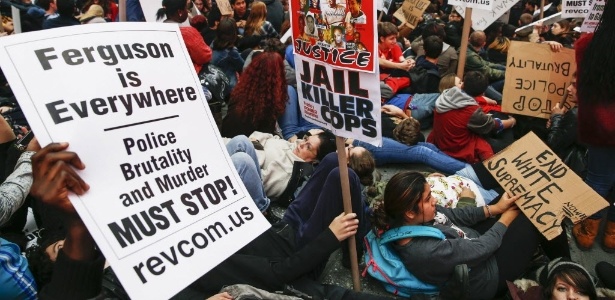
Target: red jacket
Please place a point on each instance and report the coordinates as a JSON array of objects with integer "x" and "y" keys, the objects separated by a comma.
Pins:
[{"x": 451, "y": 134}]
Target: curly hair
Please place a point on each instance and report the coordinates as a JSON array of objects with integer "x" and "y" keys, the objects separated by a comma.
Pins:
[
  {"x": 408, "y": 131},
  {"x": 258, "y": 15},
  {"x": 40, "y": 265},
  {"x": 402, "y": 193},
  {"x": 255, "y": 100},
  {"x": 364, "y": 165}
]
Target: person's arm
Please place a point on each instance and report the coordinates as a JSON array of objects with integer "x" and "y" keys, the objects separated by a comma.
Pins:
[
  {"x": 78, "y": 270},
  {"x": 562, "y": 129},
  {"x": 15, "y": 188},
  {"x": 394, "y": 111}
]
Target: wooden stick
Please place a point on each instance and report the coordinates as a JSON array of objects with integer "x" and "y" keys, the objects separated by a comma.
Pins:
[
  {"x": 467, "y": 23},
  {"x": 542, "y": 9},
  {"x": 343, "y": 163},
  {"x": 380, "y": 16},
  {"x": 122, "y": 11}
]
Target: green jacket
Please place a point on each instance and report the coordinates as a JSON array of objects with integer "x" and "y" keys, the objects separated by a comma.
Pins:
[{"x": 476, "y": 63}]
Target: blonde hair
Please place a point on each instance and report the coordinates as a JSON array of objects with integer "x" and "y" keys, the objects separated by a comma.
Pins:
[
  {"x": 258, "y": 15},
  {"x": 447, "y": 82}
]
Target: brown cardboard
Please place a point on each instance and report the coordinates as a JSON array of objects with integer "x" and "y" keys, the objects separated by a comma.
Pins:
[
  {"x": 411, "y": 12},
  {"x": 536, "y": 78},
  {"x": 549, "y": 190},
  {"x": 225, "y": 7}
]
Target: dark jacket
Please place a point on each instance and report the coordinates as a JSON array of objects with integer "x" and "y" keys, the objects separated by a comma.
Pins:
[
  {"x": 476, "y": 63},
  {"x": 562, "y": 139},
  {"x": 275, "y": 14},
  {"x": 432, "y": 79}
]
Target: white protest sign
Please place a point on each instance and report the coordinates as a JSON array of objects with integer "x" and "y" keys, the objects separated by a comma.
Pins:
[
  {"x": 593, "y": 17},
  {"x": 344, "y": 101},
  {"x": 478, "y": 4},
  {"x": 575, "y": 8},
  {"x": 384, "y": 5},
  {"x": 545, "y": 21},
  {"x": 481, "y": 19},
  {"x": 150, "y": 8},
  {"x": 165, "y": 204}
]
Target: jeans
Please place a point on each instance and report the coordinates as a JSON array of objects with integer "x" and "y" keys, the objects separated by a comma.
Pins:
[
  {"x": 291, "y": 122},
  {"x": 601, "y": 177},
  {"x": 424, "y": 105},
  {"x": 244, "y": 158},
  {"x": 493, "y": 94},
  {"x": 498, "y": 86},
  {"x": 468, "y": 172},
  {"x": 393, "y": 151}
]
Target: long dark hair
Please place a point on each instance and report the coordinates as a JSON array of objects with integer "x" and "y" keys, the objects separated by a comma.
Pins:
[
  {"x": 226, "y": 34},
  {"x": 402, "y": 193},
  {"x": 572, "y": 277},
  {"x": 169, "y": 8},
  {"x": 596, "y": 81}
]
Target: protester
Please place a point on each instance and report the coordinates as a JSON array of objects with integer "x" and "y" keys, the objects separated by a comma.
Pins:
[
  {"x": 393, "y": 66},
  {"x": 94, "y": 15},
  {"x": 561, "y": 33},
  {"x": 225, "y": 54},
  {"x": 606, "y": 273},
  {"x": 474, "y": 62},
  {"x": 596, "y": 96},
  {"x": 241, "y": 12},
  {"x": 255, "y": 106},
  {"x": 257, "y": 23},
  {"x": 176, "y": 12},
  {"x": 65, "y": 9},
  {"x": 448, "y": 58},
  {"x": 110, "y": 8},
  {"x": 497, "y": 249}
]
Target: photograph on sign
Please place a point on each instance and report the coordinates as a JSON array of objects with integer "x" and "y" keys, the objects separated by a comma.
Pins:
[
  {"x": 411, "y": 12},
  {"x": 164, "y": 194},
  {"x": 536, "y": 78},
  {"x": 481, "y": 19},
  {"x": 340, "y": 33},
  {"x": 344, "y": 101},
  {"x": 549, "y": 190}
]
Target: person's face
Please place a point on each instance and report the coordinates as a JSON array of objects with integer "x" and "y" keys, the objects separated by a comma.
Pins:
[
  {"x": 454, "y": 17},
  {"x": 310, "y": 24},
  {"x": 572, "y": 91},
  {"x": 389, "y": 41},
  {"x": 556, "y": 29},
  {"x": 352, "y": 151},
  {"x": 315, "y": 3},
  {"x": 54, "y": 249},
  {"x": 353, "y": 7},
  {"x": 338, "y": 36},
  {"x": 349, "y": 28},
  {"x": 357, "y": 36},
  {"x": 458, "y": 82},
  {"x": 240, "y": 7},
  {"x": 427, "y": 206},
  {"x": 307, "y": 149},
  {"x": 199, "y": 4},
  {"x": 332, "y": 3},
  {"x": 564, "y": 291}
]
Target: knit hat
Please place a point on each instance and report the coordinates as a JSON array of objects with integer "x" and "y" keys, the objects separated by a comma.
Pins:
[
  {"x": 93, "y": 12},
  {"x": 546, "y": 272}
]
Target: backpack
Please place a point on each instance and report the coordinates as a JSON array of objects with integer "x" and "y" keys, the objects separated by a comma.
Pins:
[
  {"x": 214, "y": 79},
  {"x": 383, "y": 264},
  {"x": 422, "y": 80}
]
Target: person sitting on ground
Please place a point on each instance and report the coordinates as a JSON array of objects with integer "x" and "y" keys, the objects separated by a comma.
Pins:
[
  {"x": 225, "y": 54},
  {"x": 448, "y": 58},
  {"x": 429, "y": 62},
  {"x": 474, "y": 62},
  {"x": 460, "y": 124},
  {"x": 273, "y": 45},
  {"x": 241, "y": 12},
  {"x": 560, "y": 32},
  {"x": 66, "y": 10},
  {"x": 530, "y": 34},
  {"x": 257, "y": 23},
  {"x": 393, "y": 66},
  {"x": 267, "y": 170},
  {"x": 255, "y": 106},
  {"x": 176, "y": 12},
  {"x": 495, "y": 240}
]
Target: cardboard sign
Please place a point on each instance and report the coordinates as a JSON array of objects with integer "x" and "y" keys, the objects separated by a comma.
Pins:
[
  {"x": 481, "y": 19},
  {"x": 478, "y": 4},
  {"x": 536, "y": 78},
  {"x": 575, "y": 8},
  {"x": 341, "y": 34},
  {"x": 411, "y": 12},
  {"x": 225, "y": 7},
  {"x": 164, "y": 196},
  {"x": 593, "y": 17},
  {"x": 549, "y": 190},
  {"x": 343, "y": 101}
]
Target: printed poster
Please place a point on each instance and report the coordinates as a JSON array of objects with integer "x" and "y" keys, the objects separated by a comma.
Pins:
[{"x": 165, "y": 204}]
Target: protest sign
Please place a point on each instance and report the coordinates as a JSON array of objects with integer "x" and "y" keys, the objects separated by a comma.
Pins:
[
  {"x": 340, "y": 34},
  {"x": 593, "y": 17},
  {"x": 225, "y": 7},
  {"x": 477, "y": 4},
  {"x": 164, "y": 196},
  {"x": 384, "y": 5},
  {"x": 346, "y": 102},
  {"x": 536, "y": 78},
  {"x": 575, "y": 8},
  {"x": 544, "y": 21},
  {"x": 549, "y": 190},
  {"x": 149, "y": 9},
  {"x": 481, "y": 19},
  {"x": 411, "y": 12}
]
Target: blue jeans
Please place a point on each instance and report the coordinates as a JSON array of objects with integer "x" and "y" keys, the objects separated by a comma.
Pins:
[
  {"x": 469, "y": 173},
  {"x": 244, "y": 158},
  {"x": 601, "y": 177},
  {"x": 291, "y": 122},
  {"x": 425, "y": 105},
  {"x": 393, "y": 151}
]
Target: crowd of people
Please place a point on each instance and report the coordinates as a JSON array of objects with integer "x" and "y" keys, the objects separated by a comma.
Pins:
[{"x": 282, "y": 158}]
